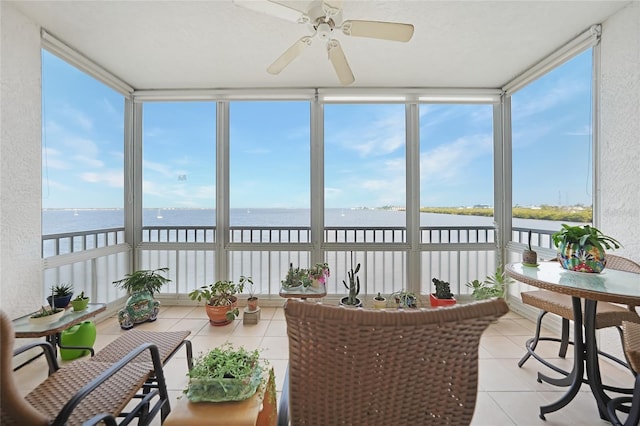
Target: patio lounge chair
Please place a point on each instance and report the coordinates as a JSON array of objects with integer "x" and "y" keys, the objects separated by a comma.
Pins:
[
  {"x": 371, "y": 367},
  {"x": 607, "y": 315},
  {"x": 83, "y": 391},
  {"x": 631, "y": 346},
  {"x": 168, "y": 343}
]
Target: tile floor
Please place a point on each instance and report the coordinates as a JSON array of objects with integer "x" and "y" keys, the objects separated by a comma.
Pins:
[{"x": 508, "y": 395}]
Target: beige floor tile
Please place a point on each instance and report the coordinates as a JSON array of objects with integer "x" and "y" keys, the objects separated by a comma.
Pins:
[
  {"x": 275, "y": 347},
  {"x": 248, "y": 342},
  {"x": 489, "y": 413},
  {"x": 193, "y": 325},
  {"x": 204, "y": 343},
  {"x": 277, "y": 328},
  {"x": 175, "y": 311},
  {"x": 251, "y": 330},
  {"x": 501, "y": 347}
]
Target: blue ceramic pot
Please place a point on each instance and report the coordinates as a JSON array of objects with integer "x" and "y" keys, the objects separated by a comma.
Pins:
[{"x": 61, "y": 302}]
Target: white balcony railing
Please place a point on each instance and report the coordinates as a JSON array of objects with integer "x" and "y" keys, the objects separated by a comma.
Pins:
[{"x": 91, "y": 260}]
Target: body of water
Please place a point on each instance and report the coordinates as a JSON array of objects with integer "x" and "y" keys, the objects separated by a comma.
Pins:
[{"x": 56, "y": 221}]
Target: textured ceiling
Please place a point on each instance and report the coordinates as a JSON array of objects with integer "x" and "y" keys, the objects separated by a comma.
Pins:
[{"x": 217, "y": 44}]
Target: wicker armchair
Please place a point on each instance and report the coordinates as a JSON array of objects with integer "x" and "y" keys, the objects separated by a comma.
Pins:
[
  {"x": 631, "y": 345},
  {"x": 607, "y": 315},
  {"x": 362, "y": 367},
  {"x": 81, "y": 392}
]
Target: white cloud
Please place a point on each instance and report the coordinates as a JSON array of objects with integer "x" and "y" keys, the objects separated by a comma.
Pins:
[
  {"x": 445, "y": 163},
  {"x": 112, "y": 178},
  {"x": 89, "y": 162},
  {"x": 76, "y": 117}
]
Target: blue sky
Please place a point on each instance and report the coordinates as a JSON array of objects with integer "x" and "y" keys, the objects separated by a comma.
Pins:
[{"x": 364, "y": 148}]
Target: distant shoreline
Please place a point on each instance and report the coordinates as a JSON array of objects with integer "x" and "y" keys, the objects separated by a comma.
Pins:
[
  {"x": 579, "y": 214},
  {"x": 560, "y": 214}
]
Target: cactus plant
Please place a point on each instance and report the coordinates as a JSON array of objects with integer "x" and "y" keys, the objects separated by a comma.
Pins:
[
  {"x": 443, "y": 290},
  {"x": 353, "y": 287}
]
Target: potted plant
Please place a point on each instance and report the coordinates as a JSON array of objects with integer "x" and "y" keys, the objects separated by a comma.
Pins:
[
  {"x": 141, "y": 286},
  {"x": 46, "y": 315},
  {"x": 319, "y": 274},
  {"x": 296, "y": 279},
  {"x": 225, "y": 374},
  {"x": 252, "y": 301},
  {"x": 443, "y": 295},
  {"x": 80, "y": 303},
  {"x": 581, "y": 248},
  {"x": 379, "y": 302},
  {"x": 222, "y": 304},
  {"x": 353, "y": 287},
  {"x": 405, "y": 299},
  {"x": 529, "y": 257},
  {"x": 60, "y": 295},
  {"x": 492, "y": 286}
]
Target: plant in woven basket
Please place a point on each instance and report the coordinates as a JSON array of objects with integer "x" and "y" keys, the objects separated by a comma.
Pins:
[{"x": 225, "y": 374}]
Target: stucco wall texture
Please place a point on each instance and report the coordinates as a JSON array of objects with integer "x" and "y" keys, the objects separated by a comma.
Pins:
[
  {"x": 20, "y": 172},
  {"x": 619, "y": 150}
]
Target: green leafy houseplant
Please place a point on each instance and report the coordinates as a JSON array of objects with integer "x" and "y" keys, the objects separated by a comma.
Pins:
[
  {"x": 582, "y": 247},
  {"x": 150, "y": 280},
  {"x": 222, "y": 294},
  {"x": 225, "y": 374},
  {"x": 492, "y": 286},
  {"x": 584, "y": 235}
]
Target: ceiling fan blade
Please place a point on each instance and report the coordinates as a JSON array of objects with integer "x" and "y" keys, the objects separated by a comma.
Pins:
[
  {"x": 289, "y": 55},
  {"x": 273, "y": 8},
  {"x": 377, "y": 29},
  {"x": 339, "y": 62}
]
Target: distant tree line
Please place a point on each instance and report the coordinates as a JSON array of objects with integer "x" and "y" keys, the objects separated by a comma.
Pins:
[{"x": 580, "y": 214}]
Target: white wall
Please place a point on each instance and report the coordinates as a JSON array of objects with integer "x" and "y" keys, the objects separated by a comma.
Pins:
[
  {"x": 619, "y": 149},
  {"x": 20, "y": 156}
]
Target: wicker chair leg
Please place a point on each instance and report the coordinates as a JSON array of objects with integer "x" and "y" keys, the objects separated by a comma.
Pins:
[{"x": 617, "y": 404}]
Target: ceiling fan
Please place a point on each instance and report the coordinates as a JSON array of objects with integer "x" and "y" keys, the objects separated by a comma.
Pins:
[{"x": 323, "y": 17}]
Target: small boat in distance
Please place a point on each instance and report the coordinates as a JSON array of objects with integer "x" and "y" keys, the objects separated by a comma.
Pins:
[{"x": 159, "y": 214}]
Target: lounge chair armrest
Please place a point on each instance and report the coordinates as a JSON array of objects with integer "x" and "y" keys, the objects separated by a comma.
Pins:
[
  {"x": 66, "y": 411},
  {"x": 106, "y": 418},
  {"x": 48, "y": 351},
  {"x": 283, "y": 409}
]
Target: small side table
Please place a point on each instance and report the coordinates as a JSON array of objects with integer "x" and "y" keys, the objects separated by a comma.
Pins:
[{"x": 304, "y": 293}]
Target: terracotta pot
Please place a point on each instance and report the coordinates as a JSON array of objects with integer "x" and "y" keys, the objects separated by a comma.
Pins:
[
  {"x": 218, "y": 314},
  {"x": 441, "y": 302},
  {"x": 575, "y": 257},
  {"x": 252, "y": 304}
]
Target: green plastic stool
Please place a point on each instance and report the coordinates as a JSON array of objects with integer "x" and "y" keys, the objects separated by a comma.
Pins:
[{"x": 83, "y": 334}]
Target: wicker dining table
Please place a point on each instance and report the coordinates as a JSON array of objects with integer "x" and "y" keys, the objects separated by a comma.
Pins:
[{"x": 586, "y": 290}]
